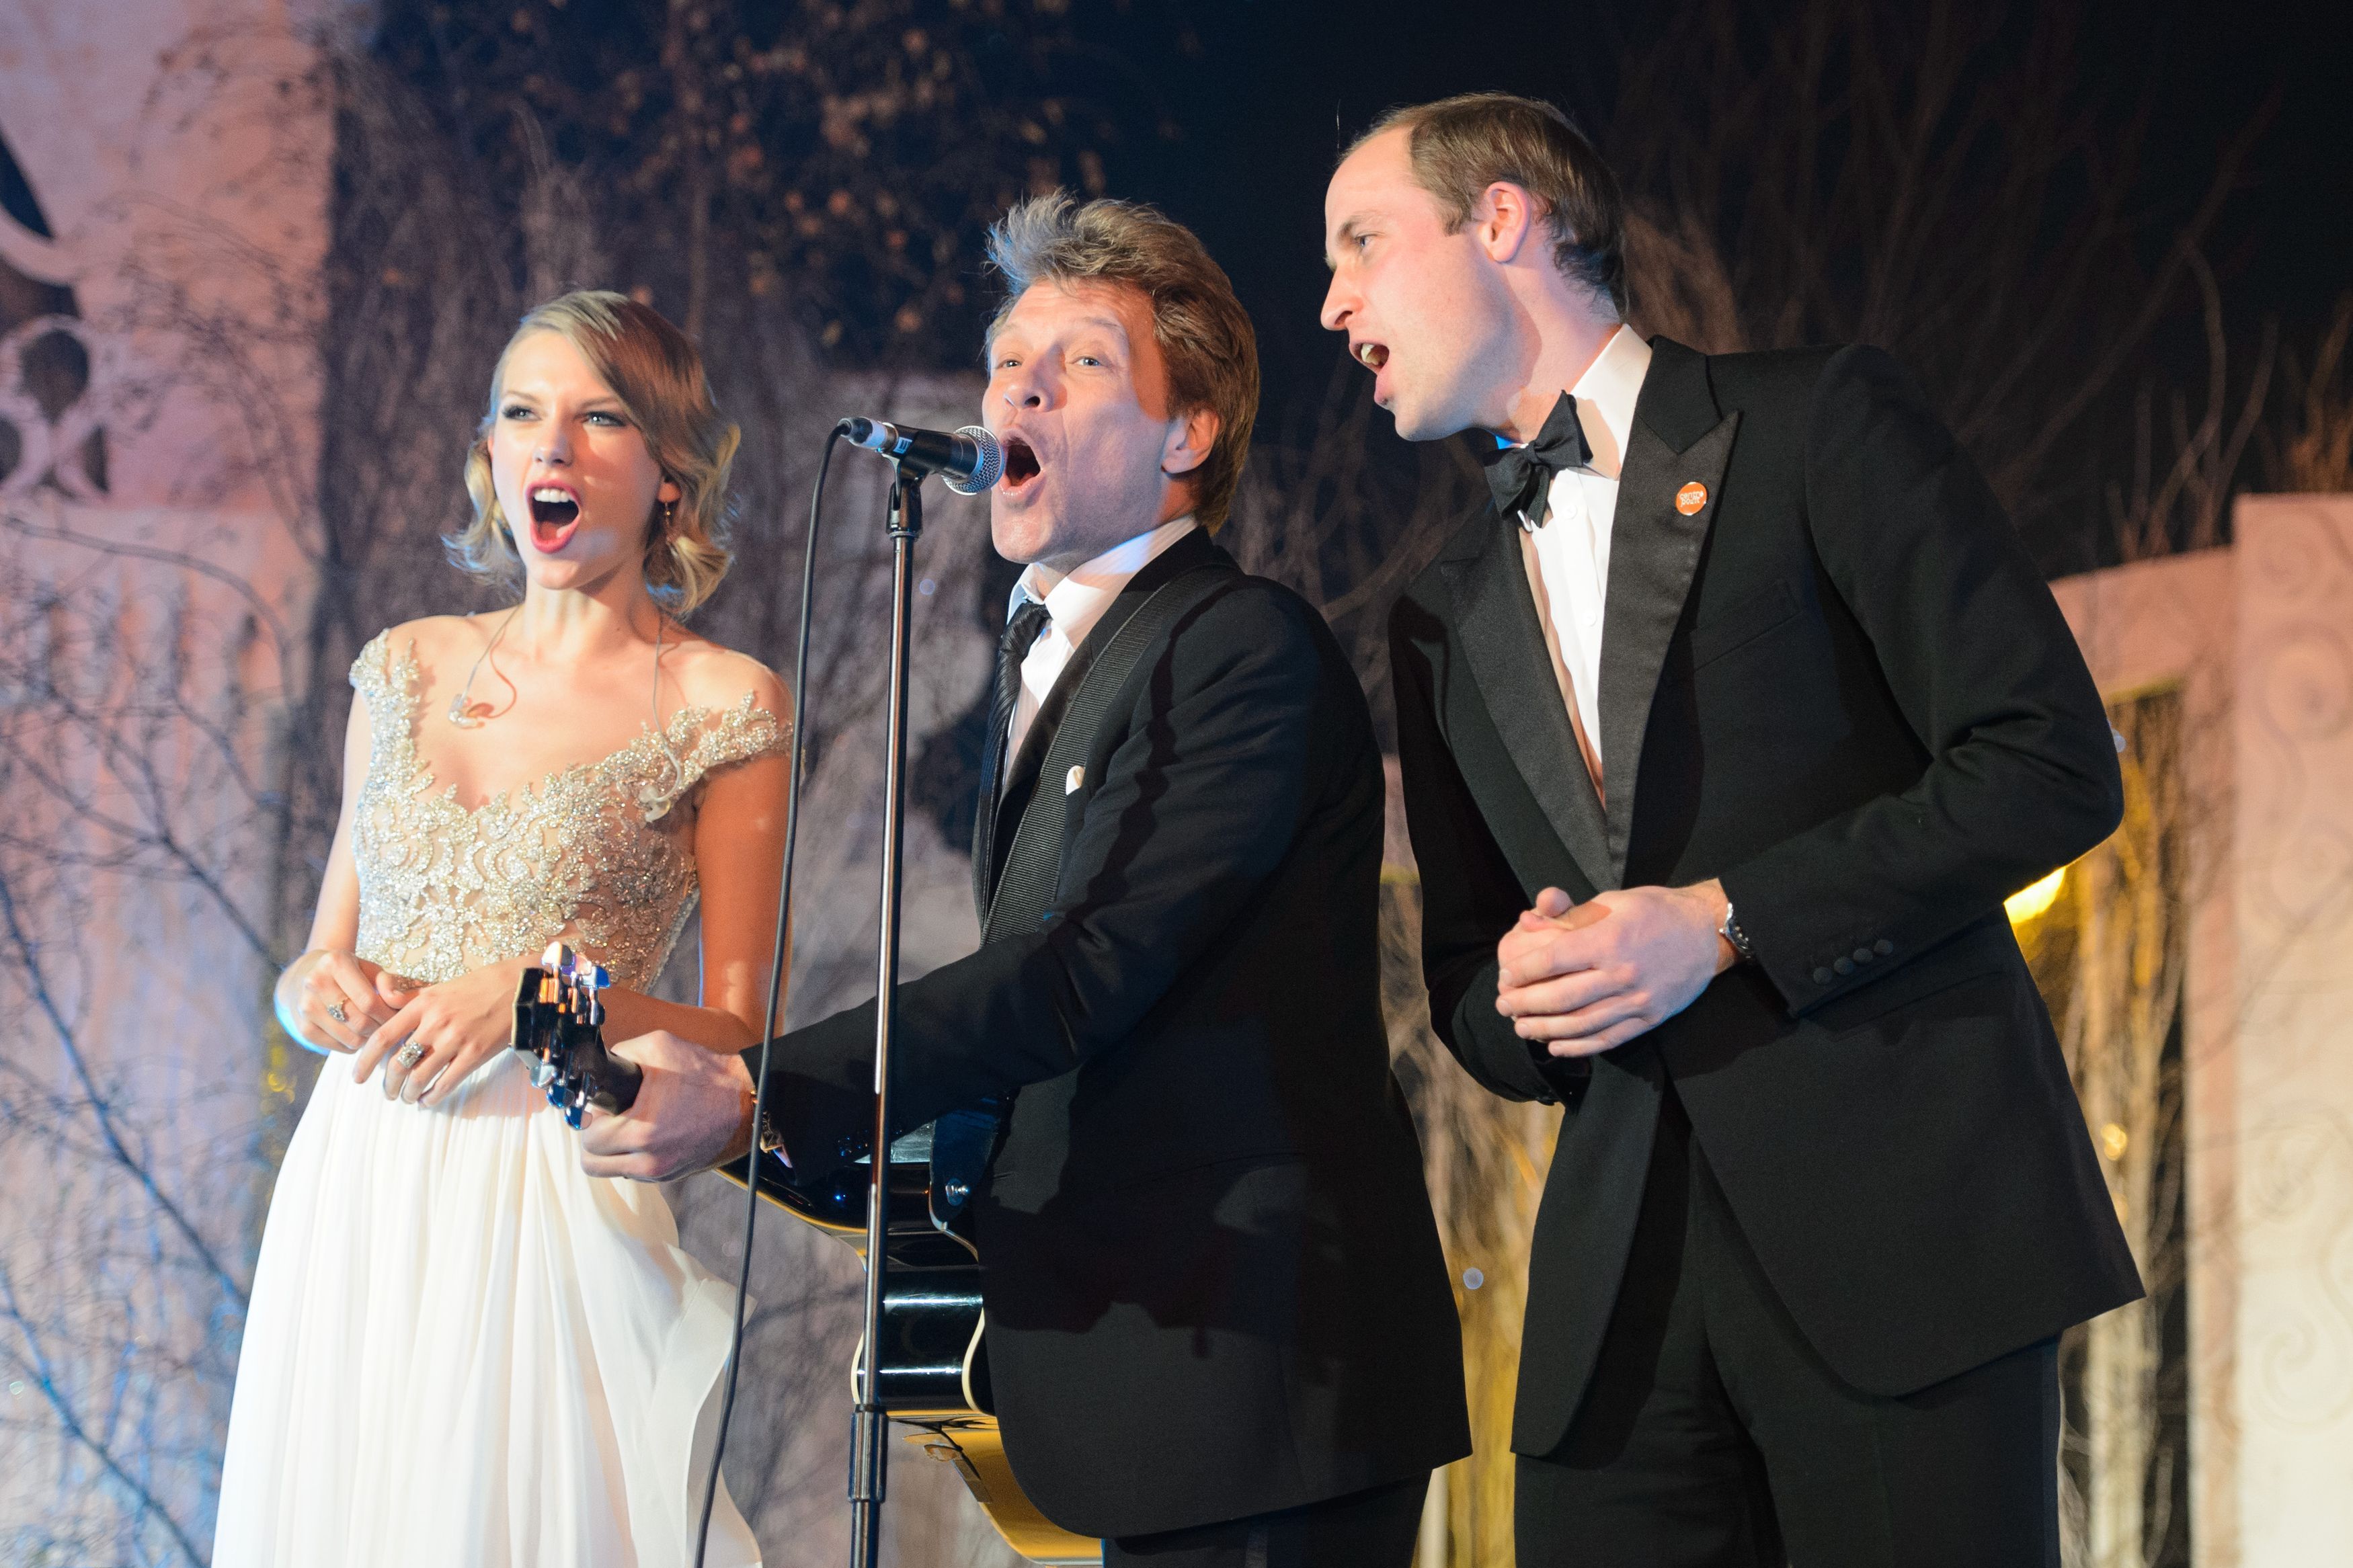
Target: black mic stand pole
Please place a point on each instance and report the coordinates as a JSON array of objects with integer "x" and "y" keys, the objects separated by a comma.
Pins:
[{"x": 869, "y": 1464}]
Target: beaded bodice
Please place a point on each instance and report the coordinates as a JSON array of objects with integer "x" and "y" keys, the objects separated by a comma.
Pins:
[{"x": 592, "y": 854}]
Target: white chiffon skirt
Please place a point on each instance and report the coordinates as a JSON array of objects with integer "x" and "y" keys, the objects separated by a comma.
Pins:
[{"x": 463, "y": 1352}]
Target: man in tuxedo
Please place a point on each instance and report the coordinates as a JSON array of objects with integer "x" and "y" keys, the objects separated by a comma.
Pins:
[
  {"x": 1725, "y": 732},
  {"x": 1219, "y": 1328}
]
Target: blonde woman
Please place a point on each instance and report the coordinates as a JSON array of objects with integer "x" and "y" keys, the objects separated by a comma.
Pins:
[{"x": 461, "y": 1350}]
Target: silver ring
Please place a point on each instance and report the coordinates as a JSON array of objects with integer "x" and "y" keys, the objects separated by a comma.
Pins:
[
  {"x": 409, "y": 1055},
  {"x": 335, "y": 1011}
]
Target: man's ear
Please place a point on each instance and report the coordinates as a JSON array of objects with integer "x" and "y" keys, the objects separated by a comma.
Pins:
[
  {"x": 1188, "y": 443},
  {"x": 1504, "y": 217}
]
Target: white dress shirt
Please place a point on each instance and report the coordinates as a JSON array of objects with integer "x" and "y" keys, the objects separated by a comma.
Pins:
[
  {"x": 1568, "y": 556},
  {"x": 1073, "y": 605}
]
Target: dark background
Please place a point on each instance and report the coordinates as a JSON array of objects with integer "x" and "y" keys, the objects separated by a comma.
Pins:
[
  {"x": 1258, "y": 96},
  {"x": 2089, "y": 228}
]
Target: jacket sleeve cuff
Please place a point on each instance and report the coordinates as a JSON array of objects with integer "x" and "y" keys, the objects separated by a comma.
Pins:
[
  {"x": 1497, "y": 1057},
  {"x": 1808, "y": 967},
  {"x": 820, "y": 1096}
]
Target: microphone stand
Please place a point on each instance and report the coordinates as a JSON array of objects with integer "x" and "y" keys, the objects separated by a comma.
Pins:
[{"x": 869, "y": 1463}]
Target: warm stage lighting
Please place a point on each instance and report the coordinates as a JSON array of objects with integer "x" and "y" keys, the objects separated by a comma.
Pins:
[{"x": 2031, "y": 901}]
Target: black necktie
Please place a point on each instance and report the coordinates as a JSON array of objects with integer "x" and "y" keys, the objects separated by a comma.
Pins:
[
  {"x": 1021, "y": 631},
  {"x": 1521, "y": 477}
]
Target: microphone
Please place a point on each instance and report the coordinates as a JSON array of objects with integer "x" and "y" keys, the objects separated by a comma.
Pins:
[{"x": 970, "y": 460}]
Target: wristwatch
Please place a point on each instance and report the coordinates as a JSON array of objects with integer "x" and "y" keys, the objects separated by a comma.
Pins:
[{"x": 1730, "y": 931}]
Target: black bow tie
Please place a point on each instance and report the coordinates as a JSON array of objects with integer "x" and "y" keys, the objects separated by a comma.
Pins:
[{"x": 1521, "y": 477}]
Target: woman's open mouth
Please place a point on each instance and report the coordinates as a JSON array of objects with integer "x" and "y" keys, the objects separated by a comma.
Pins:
[
  {"x": 1021, "y": 464},
  {"x": 555, "y": 514}
]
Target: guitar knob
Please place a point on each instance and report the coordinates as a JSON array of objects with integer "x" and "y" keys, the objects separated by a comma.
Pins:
[{"x": 956, "y": 1193}]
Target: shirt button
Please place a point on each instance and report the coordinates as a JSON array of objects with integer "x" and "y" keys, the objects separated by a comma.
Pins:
[
  {"x": 1864, "y": 956},
  {"x": 1882, "y": 947},
  {"x": 1821, "y": 977},
  {"x": 1844, "y": 966}
]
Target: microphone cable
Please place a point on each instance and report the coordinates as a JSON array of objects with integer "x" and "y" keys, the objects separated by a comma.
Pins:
[{"x": 776, "y": 988}]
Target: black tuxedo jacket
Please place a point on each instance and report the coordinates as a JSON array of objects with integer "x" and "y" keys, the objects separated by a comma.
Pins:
[
  {"x": 1841, "y": 685},
  {"x": 1213, "y": 1282}
]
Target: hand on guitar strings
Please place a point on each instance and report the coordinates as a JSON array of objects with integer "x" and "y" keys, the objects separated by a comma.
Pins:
[
  {"x": 439, "y": 1034},
  {"x": 693, "y": 1112},
  {"x": 1586, "y": 978}
]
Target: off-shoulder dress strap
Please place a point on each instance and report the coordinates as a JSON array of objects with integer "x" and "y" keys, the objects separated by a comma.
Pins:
[{"x": 705, "y": 740}]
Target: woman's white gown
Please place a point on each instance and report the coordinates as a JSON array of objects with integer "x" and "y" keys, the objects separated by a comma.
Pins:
[{"x": 461, "y": 1351}]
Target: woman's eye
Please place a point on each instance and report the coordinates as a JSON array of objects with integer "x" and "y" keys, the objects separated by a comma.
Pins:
[
  {"x": 615, "y": 420},
  {"x": 516, "y": 411},
  {"x": 1008, "y": 363},
  {"x": 1089, "y": 359}
]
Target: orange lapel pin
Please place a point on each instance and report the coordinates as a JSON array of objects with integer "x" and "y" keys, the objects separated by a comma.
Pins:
[{"x": 1691, "y": 497}]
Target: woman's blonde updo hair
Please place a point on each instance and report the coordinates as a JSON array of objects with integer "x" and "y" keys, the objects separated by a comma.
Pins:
[{"x": 657, "y": 375}]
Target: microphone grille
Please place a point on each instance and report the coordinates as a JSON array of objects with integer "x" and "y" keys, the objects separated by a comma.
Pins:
[{"x": 992, "y": 462}]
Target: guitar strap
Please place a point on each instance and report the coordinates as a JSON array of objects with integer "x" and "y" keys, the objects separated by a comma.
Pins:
[{"x": 1033, "y": 866}]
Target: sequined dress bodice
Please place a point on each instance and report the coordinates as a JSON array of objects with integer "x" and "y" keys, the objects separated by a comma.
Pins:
[{"x": 593, "y": 853}]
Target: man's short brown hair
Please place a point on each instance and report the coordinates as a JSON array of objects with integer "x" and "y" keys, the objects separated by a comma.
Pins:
[
  {"x": 1461, "y": 145},
  {"x": 1204, "y": 335}
]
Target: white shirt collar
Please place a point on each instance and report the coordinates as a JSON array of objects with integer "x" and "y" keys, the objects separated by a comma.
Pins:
[
  {"x": 1076, "y": 600},
  {"x": 1605, "y": 394}
]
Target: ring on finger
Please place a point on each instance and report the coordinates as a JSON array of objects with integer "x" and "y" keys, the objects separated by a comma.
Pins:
[
  {"x": 335, "y": 1011},
  {"x": 409, "y": 1055}
]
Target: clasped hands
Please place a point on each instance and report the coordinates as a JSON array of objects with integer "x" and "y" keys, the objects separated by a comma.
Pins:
[
  {"x": 427, "y": 1040},
  {"x": 436, "y": 1036},
  {"x": 1586, "y": 978}
]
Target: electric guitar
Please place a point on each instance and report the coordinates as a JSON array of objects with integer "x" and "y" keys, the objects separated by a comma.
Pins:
[{"x": 932, "y": 1368}]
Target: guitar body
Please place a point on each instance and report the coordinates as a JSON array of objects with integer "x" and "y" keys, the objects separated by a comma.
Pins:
[{"x": 933, "y": 1364}]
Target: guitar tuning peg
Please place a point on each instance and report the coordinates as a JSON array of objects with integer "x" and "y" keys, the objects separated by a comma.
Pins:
[{"x": 557, "y": 957}]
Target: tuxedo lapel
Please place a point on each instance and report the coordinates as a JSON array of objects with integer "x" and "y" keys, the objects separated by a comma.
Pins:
[
  {"x": 1194, "y": 549},
  {"x": 1668, "y": 493},
  {"x": 1495, "y": 622}
]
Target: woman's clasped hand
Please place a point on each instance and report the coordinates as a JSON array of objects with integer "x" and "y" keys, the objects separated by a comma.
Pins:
[
  {"x": 337, "y": 1003},
  {"x": 434, "y": 1037}
]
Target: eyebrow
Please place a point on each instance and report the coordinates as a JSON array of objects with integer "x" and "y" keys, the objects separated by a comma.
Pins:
[
  {"x": 1110, "y": 323},
  {"x": 601, "y": 399}
]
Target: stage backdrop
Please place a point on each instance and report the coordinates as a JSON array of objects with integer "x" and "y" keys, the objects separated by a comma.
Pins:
[{"x": 2255, "y": 641}]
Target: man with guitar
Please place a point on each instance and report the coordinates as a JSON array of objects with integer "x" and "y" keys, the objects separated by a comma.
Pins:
[{"x": 1220, "y": 1330}]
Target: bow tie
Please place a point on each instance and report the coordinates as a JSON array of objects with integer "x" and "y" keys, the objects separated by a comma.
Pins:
[{"x": 1521, "y": 477}]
